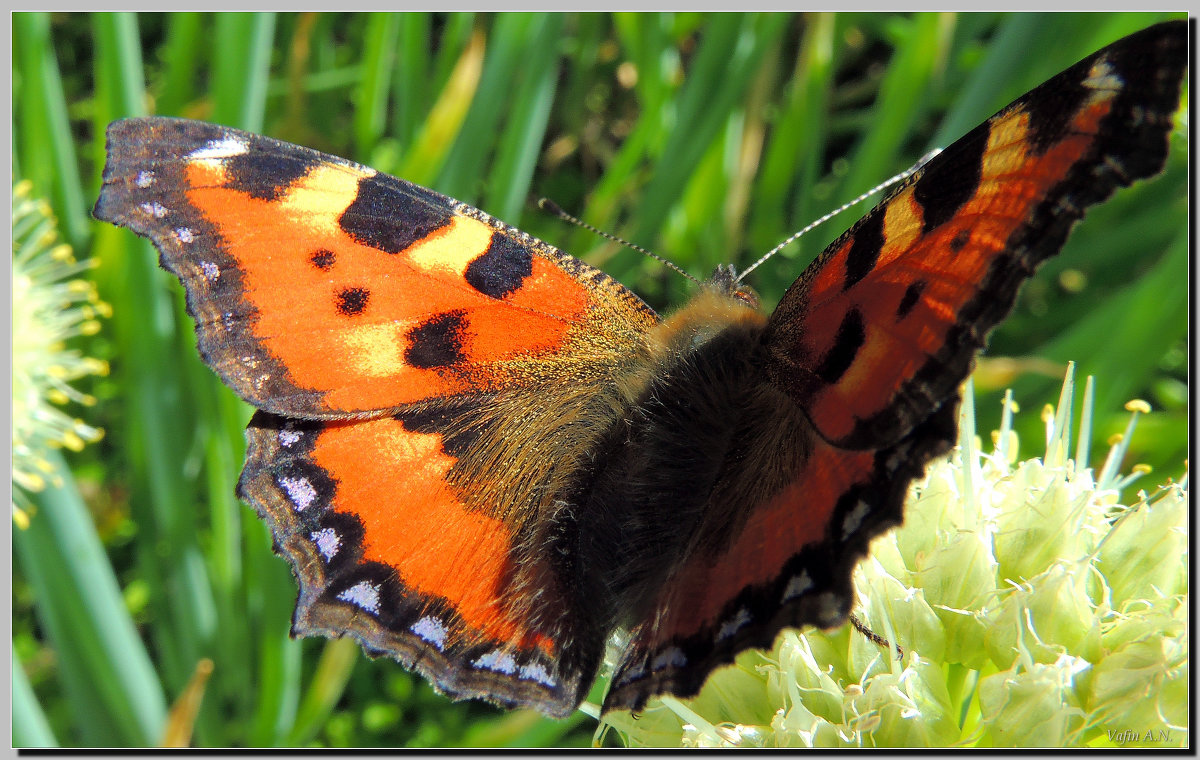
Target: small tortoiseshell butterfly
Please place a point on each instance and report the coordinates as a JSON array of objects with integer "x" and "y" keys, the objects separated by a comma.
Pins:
[{"x": 482, "y": 456}]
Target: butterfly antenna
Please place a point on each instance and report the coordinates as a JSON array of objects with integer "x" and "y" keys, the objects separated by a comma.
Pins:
[
  {"x": 875, "y": 638},
  {"x": 878, "y": 188},
  {"x": 548, "y": 205}
]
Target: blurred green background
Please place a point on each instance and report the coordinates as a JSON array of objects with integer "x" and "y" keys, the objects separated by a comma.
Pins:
[{"x": 708, "y": 138}]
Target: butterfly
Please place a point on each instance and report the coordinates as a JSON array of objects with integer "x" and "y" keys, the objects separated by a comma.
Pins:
[{"x": 482, "y": 456}]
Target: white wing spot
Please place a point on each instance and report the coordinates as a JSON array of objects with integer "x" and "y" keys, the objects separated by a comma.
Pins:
[
  {"x": 364, "y": 594},
  {"x": 1102, "y": 76},
  {"x": 632, "y": 674},
  {"x": 226, "y": 147},
  {"x": 798, "y": 585},
  {"x": 497, "y": 660},
  {"x": 211, "y": 271},
  {"x": 854, "y": 518},
  {"x": 154, "y": 209},
  {"x": 227, "y": 318},
  {"x": 185, "y": 234},
  {"x": 829, "y": 612},
  {"x": 145, "y": 178},
  {"x": 328, "y": 542},
  {"x": 734, "y": 624},
  {"x": 669, "y": 657},
  {"x": 535, "y": 672},
  {"x": 288, "y": 438},
  {"x": 432, "y": 630},
  {"x": 300, "y": 492}
]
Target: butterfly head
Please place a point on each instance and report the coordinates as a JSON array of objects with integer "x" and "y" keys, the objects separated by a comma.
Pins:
[{"x": 725, "y": 280}]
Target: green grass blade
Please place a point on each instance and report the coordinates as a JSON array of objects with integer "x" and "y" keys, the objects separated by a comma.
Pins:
[
  {"x": 181, "y": 56},
  {"x": 241, "y": 67},
  {"x": 120, "y": 78},
  {"x": 1122, "y": 353},
  {"x": 270, "y": 596},
  {"x": 521, "y": 141},
  {"x": 444, "y": 121},
  {"x": 334, "y": 668},
  {"x": 646, "y": 41},
  {"x": 29, "y": 725},
  {"x": 46, "y": 145},
  {"x": 456, "y": 35},
  {"x": 156, "y": 433},
  {"x": 902, "y": 95},
  {"x": 105, "y": 666},
  {"x": 792, "y": 160},
  {"x": 411, "y": 88},
  {"x": 505, "y": 58},
  {"x": 724, "y": 64},
  {"x": 370, "y": 106}
]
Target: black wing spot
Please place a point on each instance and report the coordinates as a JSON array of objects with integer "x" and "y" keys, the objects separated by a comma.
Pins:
[
  {"x": 437, "y": 342},
  {"x": 353, "y": 301},
  {"x": 960, "y": 240},
  {"x": 501, "y": 269},
  {"x": 912, "y": 294},
  {"x": 458, "y": 423},
  {"x": 263, "y": 174},
  {"x": 851, "y": 335},
  {"x": 951, "y": 179},
  {"x": 323, "y": 259},
  {"x": 1051, "y": 117},
  {"x": 864, "y": 251},
  {"x": 383, "y": 216}
]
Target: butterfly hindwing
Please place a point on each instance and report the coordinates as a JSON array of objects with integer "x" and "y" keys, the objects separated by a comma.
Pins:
[
  {"x": 788, "y": 564},
  {"x": 387, "y": 550},
  {"x": 885, "y": 324}
]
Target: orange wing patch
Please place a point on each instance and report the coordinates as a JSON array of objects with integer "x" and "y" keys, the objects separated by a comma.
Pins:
[{"x": 414, "y": 522}]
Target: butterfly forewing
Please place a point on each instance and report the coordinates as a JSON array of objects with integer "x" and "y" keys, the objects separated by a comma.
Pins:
[
  {"x": 884, "y": 325},
  {"x": 322, "y": 288}
]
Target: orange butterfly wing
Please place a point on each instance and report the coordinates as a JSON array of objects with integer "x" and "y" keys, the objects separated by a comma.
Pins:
[
  {"x": 322, "y": 289},
  {"x": 885, "y": 324},
  {"x": 387, "y": 549}
]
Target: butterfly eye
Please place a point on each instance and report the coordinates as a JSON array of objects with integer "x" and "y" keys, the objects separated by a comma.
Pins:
[{"x": 746, "y": 295}]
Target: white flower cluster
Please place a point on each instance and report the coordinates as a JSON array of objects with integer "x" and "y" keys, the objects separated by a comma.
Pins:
[{"x": 50, "y": 306}]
